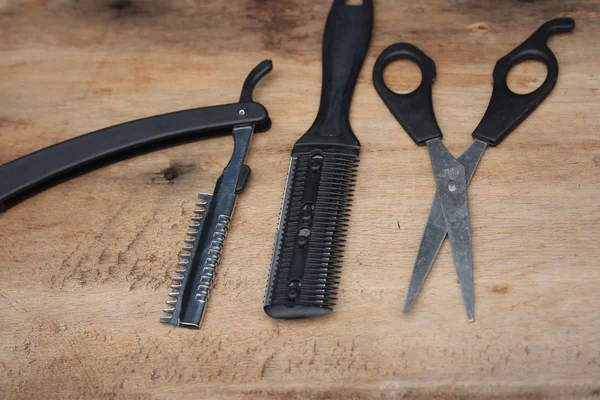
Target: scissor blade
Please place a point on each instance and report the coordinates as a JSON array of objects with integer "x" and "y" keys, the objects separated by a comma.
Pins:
[
  {"x": 451, "y": 184},
  {"x": 433, "y": 237},
  {"x": 471, "y": 157},
  {"x": 435, "y": 230}
]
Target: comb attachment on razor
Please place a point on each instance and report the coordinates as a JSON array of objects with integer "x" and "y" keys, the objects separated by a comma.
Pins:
[
  {"x": 187, "y": 256},
  {"x": 202, "y": 254}
]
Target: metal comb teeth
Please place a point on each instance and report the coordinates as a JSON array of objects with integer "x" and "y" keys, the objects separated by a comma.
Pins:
[
  {"x": 317, "y": 229},
  {"x": 187, "y": 258}
]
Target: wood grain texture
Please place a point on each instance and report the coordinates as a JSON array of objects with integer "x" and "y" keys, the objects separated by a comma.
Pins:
[{"x": 85, "y": 266}]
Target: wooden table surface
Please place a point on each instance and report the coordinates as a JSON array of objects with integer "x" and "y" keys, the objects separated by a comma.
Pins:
[{"x": 85, "y": 266}]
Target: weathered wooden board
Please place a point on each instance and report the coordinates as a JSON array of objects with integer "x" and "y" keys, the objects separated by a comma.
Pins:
[{"x": 85, "y": 266}]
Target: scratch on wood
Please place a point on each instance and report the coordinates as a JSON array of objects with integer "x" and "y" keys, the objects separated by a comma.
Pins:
[{"x": 268, "y": 365}]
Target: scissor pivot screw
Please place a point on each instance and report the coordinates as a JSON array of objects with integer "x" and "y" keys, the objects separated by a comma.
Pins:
[{"x": 452, "y": 187}]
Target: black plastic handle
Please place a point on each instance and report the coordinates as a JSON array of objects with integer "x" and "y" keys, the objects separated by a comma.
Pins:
[
  {"x": 414, "y": 110},
  {"x": 29, "y": 174},
  {"x": 259, "y": 72},
  {"x": 345, "y": 43},
  {"x": 508, "y": 109}
]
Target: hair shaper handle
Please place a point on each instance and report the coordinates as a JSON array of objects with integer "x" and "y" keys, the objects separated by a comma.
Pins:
[{"x": 345, "y": 42}]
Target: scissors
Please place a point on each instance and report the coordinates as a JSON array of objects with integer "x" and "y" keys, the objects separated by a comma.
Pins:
[{"x": 506, "y": 110}]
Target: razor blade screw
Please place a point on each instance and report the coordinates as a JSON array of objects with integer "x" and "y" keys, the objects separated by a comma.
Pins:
[
  {"x": 307, "y": 211},
  {"x": 316, "y": 162},
  {"x": 294, "y": 289},
  {"x": 303, "y": 235},
  {"x": 242, "y": 112}
]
